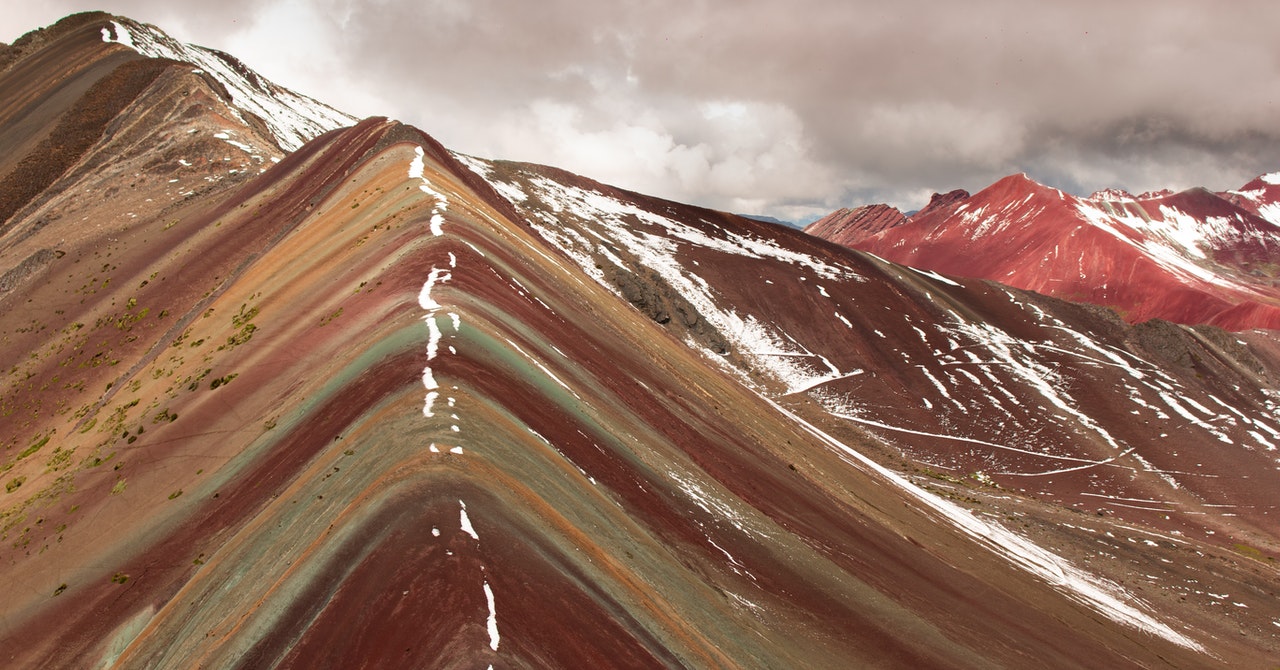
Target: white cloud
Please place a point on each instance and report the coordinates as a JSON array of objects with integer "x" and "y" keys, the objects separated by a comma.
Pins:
[{"x": 772, "y": 107}]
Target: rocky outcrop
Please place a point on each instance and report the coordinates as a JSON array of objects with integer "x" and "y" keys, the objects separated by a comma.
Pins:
[
  {"x": 846, "y": 226},
  {"x": 940, "y": 201}
]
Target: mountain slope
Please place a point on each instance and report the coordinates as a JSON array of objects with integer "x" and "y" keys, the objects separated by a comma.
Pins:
[
  {"x": 1192, "y": 257},
  {"x": 511, "y": 416}
]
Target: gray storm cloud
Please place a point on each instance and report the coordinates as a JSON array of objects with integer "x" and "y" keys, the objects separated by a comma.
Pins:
[{"x": 787, "y": 109}]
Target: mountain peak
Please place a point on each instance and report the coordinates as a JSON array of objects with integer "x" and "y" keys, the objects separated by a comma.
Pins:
[
  {"x": 856, "y": 222},
  {"x": 1112, "y": 195},
  {"x": 291, "y": 118},
  {"x": 942, "y": 201},
  {"x": 1018, "y": 185}
]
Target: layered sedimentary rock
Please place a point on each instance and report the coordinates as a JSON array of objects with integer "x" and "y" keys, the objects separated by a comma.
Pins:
[
  {"x": 375, "y": 403},
  {"x": 856, "y": 223}
]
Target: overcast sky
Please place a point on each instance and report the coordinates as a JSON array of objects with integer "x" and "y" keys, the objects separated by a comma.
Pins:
[{"x": 785, "y": 108}]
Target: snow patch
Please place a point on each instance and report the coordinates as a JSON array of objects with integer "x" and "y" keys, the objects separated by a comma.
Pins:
[
  {"x": 492, "y": 622},
  {"x": 465, "y": 521},
  {"x": 934, "y": 276}
]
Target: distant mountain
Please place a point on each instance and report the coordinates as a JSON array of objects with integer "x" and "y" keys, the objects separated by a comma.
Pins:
[
  {"x": 856, "y": 223},
  {"x": 1193, "y": 257},
  {"x": 770, "y": 219},
  {"x": 373, "y": 403}
]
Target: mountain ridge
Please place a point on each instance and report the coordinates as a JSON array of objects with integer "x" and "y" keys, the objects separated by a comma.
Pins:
[
  {"x": 516, "y": 416},
  {"x": 1192, "y": 257}
]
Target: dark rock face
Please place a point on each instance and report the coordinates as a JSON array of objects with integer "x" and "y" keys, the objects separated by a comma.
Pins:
[
  {"x": 648, "y": 292},
  {"x": 79, "y": 128},
  {"x": 942, "y": 201},
  {"x": 23, "y": 272}
]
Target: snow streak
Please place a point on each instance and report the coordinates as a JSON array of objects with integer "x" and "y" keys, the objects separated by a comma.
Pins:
[
  {"x": 1104, "y": 596},
  {"x": 293, "y": 119}
]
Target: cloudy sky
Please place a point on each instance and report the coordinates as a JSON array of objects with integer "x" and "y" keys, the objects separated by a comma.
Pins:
[{"x": 788, "y": 109}]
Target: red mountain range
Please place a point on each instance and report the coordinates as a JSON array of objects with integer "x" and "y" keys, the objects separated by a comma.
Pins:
[{"x": 1193, "y": 257}]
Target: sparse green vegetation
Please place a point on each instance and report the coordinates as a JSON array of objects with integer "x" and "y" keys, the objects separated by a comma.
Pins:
[
  {"x": 240, "y": 337},
  {"x": 14, "y": 484},
  {"x": 175, "y": 494},
  {"x": 60, "y": 459},
  {"x": 245, "y": 315},
  {"x": 120, "y": 485},
  {"x": 243, "y": 322},
  {"x": 1251, "y": 552},
  {"x": 337, "y": 313},
  {"x": 223, "y": 380},
  {"x": 35, "y": 446}
]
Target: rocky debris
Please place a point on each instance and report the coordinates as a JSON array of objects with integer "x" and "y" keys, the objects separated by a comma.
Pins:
[
  {"x": 7, "y": 55},
  {"x": 19, "y": 274},
  {"x": 648, "y": 292},
  {"x": 1167, "y": 341}
]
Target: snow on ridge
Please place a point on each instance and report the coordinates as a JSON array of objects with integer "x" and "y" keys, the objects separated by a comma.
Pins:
[
  {"x": 1112, "y": 195},
  {"x": 589, "y": 204},
  {"x": 1034, "y": 374},
  {"x": 417, "y": 168},
  {"x": 985, "y": 220},
  {"x": 1272, "y": 178},
  {"x": 121, "y": 36},
  {"x": 512, "y": 192},
  {"x": 437, "y": 275},
  {"x": 654, "y": 244},
  {"x": 934, "y": 276},
  {"x": 1171, "y": 246},
  {"x": 293, "y": 119},
  {"x": 1270, "y": 212}
]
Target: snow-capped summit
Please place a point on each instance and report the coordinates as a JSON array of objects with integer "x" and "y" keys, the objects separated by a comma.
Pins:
[{"x": 293, "y": 119}]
